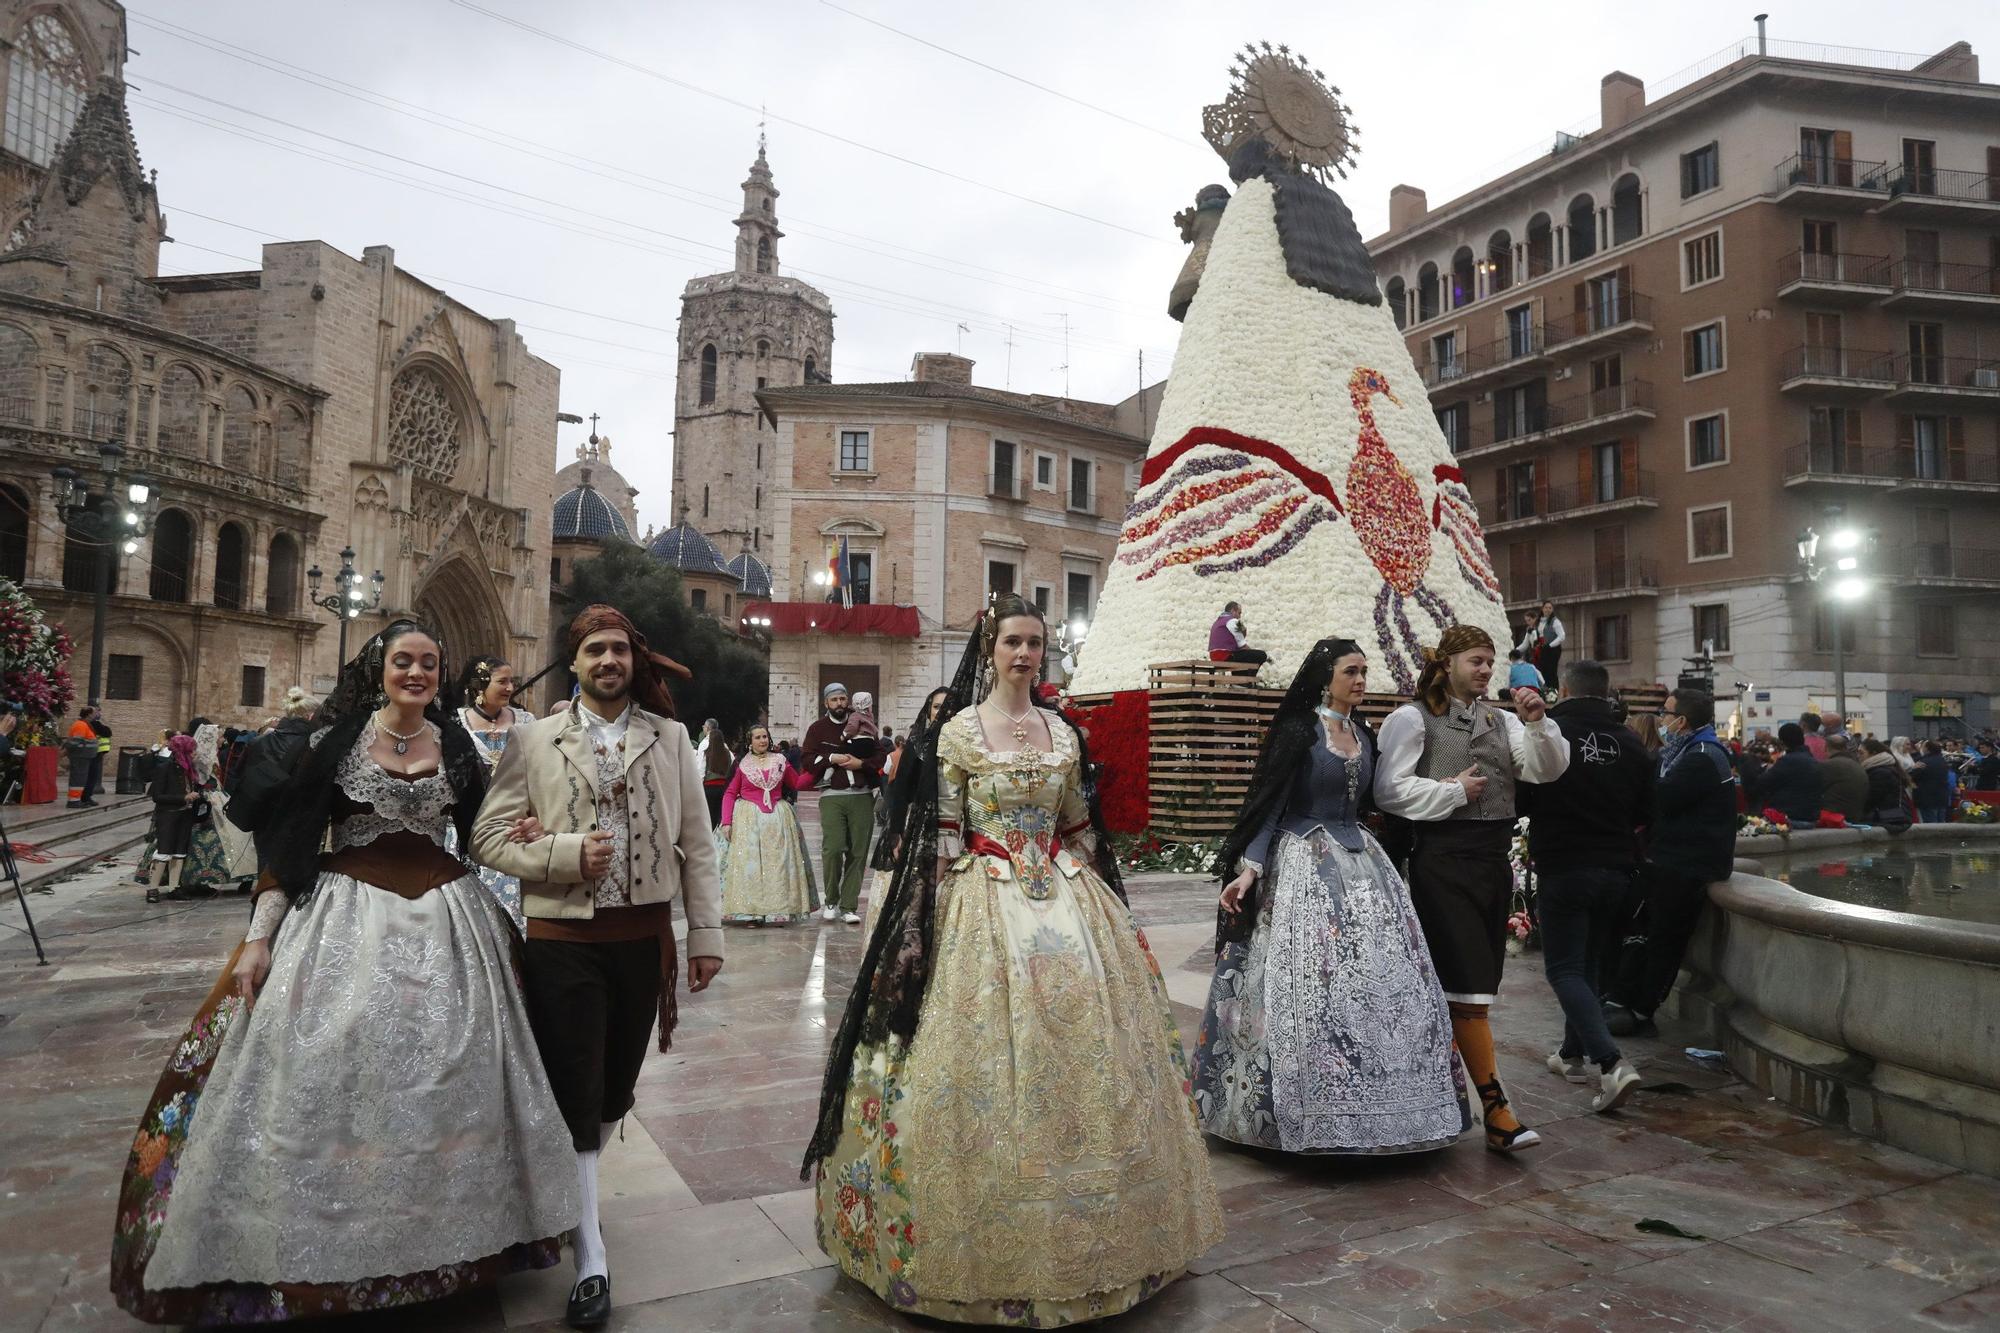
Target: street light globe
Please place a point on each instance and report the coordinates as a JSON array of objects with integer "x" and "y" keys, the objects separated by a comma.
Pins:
[
  {"x": 131, "y": 519},
  {"x": 131, "y": 546},
  {"x": 1845, "y": 539},
  {"x": 138, "y": 492},
  {"x": 354, "y": 613},
  {"x": 1847, "y": 563},
  {"x": 1850, "y": 588}
]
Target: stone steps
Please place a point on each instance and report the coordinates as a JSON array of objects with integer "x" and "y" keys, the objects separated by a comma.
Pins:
[{"x": 74, "y": 839}]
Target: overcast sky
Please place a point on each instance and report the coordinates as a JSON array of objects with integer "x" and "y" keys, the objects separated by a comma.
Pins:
[{"x": 574, "y": 181}]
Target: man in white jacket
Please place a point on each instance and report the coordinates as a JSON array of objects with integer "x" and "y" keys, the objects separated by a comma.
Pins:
[{"x": 1448, "y": 763}]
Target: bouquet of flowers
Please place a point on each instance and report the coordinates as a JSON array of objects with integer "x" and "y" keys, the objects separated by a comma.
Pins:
[
  {"x": 1150, "y": 852},
  {"x": 33, "y": 654},
  {"x": 1972, "y": 812},
  {"x": 1756, "y": 826},
  {"x": 1523, "y": 930}
]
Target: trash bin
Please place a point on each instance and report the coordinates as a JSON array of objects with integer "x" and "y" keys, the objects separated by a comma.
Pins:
[
  {"x": 136, "y": 765},
  {"x": 81, "y": 750}
]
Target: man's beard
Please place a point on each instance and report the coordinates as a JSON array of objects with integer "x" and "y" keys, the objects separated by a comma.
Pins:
[
  {"x": 837, "y": 714},
  {"x": 607, "y": 692}
]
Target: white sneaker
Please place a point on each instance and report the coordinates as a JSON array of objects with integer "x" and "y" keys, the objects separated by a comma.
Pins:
[
  {"x": 1576, "y": 1071},
  {"x": 852, "y": 918},
  {"x": 1615, "y": 1087},
  {"x": 829, "y": 913}
]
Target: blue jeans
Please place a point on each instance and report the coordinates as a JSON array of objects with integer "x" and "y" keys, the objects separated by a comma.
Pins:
[
  {"x": 1579, "y": 910},
  {"x": 1933, "y": 814}
]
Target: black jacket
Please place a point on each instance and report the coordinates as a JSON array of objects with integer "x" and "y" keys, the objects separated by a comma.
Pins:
[
  {"x": 258, "y": 780},
  {"x": 1794, "y": 786},
  {"x": 1932, "y": 780},
  {"x": 1694, "y": 813},
  {"x": 1589, "y": 818}
]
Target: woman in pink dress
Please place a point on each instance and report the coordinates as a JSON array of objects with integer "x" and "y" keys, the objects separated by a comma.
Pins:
[{"x": 767, "y": 877}]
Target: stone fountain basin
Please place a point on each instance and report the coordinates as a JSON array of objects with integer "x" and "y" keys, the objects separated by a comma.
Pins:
[{"x": 1886, "y": 1023}]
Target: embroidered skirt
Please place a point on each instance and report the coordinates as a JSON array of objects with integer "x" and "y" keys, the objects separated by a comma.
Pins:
[{"x": 767, "y": 877}]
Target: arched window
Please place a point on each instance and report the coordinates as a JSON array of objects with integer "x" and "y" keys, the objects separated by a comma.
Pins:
[
  {"x": 106, "y": 389},
  {"x": 707, "y": 395},
  {"x": 1427, "y": 292},
  {"x": 1499, "y": 261},
  {"x": 18, "y": 359},
  {"x": 231, "y": 567},
  {"x": 1582, "y": 228},
  {"x": 763, "y": 348},
  {"x": 763, "y": 254},
  {"x": 1397, "y": 295},
  {"x": 239, "y": 432},
  {"x": 293, "y": 441},
  {"x": 1464, "y": 286},
  {"x": 812, "y": 368},
  {"x": 13, "y": 533},
  {"x": 426, "y": 429},
  {"x": 173, "y": 556},
  {"x": 1627, "y": 223},
  {"x": 180, "y": 412},
  {"x": 47, "y": 80},
  {"x": 282, "y": 576},
  {"x": 1541, "y": 245}
]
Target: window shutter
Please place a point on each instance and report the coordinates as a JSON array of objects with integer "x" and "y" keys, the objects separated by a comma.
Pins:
[
  {"x": 1628, "y": 460},
  {"x": 1583, "y": 472},
  {"x": 1541, "y": 475},
  {"x": 1843, "y": 158},
  {"x": 1853, "y": 431},
  {"x": 1954, "y": 447},
  {"x": 1581, "y": 321},
  {"x": 1500, "y": 493},
  {"x": 1906, "y": 443},
  {"x": 1993, "y": 173},
  {"x": 1687, "y": 353}
]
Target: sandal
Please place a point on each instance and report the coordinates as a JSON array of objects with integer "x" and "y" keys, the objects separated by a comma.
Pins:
[{"x": 1492, "y": 1099}]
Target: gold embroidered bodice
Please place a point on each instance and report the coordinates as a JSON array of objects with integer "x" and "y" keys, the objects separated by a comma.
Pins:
[{"x": 1019, "y": 813}]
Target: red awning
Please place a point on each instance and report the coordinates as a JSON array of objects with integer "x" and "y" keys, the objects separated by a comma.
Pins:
[{"x": 898, "y": 622}]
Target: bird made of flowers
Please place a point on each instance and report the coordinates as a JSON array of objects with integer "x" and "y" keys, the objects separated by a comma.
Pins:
[{"x": 1285, "y": 471}]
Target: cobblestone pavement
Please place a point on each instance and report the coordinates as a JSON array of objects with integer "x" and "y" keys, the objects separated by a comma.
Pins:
[{"x": 1788, "y": 1225}]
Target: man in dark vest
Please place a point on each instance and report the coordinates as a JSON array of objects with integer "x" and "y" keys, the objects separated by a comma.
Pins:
[{"x": 1449, "y": 762}]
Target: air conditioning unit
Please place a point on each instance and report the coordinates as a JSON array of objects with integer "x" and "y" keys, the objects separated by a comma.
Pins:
[
  {"x": 1986, "y": 377},
  {"x": 1565, "y": 372}
]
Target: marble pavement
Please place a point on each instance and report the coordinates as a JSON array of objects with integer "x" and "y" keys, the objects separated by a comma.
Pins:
[{"x": 1783, "y": 1224}]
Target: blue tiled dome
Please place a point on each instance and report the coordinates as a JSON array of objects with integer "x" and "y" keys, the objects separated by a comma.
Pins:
[
  {"x": 686, "y": 549},
  {"x": 582, "y": 512},
  {"x": 753, "y": 574}
]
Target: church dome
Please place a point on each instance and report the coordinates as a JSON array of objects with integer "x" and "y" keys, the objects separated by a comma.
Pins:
[
  {"x": 582, "y": 512},
  {"x": 753, "y": 574},
  {"x": 686, "y": 549}
]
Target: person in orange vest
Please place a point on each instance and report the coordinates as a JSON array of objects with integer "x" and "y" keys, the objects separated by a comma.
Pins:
[{"x": 82, "y": 757}]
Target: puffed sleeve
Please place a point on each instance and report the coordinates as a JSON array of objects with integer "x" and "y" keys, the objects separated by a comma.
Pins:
[
  {"x": 1398, "y": 789},
  {"x": 1541, "y": 752},
  {"x": 952, "y": 760}
]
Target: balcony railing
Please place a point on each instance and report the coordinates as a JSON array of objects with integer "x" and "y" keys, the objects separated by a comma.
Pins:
[
  {"x": 1937, "y": 183},
  {"x": 1810, "y": 361},
  {"x": 1556, "y": 501},
  {"x": 1844, "y": 173},
  {"x": 1930, "y": 275},
  {"x": 1560, "y": 417},
  {"x": 1083, "y": 502},
  {"x": 1945, "y": 373},
  {"x": 1942, "y": 560},
  {"x": 1845, "y": 269},
  {"x": 1472, "y": 362},
  {"x": 1849, "y": 462},
  {"x": 1601, "y": 314},
  {"x": 16, "y": 410},
  {"x": 1601, "y": 578}
]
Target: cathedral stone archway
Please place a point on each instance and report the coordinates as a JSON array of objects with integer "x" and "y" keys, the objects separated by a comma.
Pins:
[{"x": 461, "y": 604}]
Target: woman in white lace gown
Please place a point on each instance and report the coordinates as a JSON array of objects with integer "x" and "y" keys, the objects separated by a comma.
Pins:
[
  {"x": 356, "y": 1118},
  {"x": 1326, "y": 1030},
  {"x": 489, "y": 716}
]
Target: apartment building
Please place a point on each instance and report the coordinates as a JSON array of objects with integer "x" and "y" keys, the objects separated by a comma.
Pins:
[
  {"x": 1765, "y": 302},
  {"x": 943, "y": 491}
]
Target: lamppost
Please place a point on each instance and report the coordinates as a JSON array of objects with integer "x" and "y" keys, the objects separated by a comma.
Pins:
[
  {"x": 1848, "y": 584},
  {"x": 346, "y": 602},
  {"x": 92, "y": 514}
]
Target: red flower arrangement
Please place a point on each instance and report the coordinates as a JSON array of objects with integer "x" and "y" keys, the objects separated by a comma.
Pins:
[{"x": 1121, "y": 741}]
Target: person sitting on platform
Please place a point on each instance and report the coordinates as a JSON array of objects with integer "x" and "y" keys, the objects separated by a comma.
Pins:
[{"x": 1228, "y": 641}]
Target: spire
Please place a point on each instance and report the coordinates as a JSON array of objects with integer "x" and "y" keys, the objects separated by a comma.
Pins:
[{"x": 757, "y": 228}]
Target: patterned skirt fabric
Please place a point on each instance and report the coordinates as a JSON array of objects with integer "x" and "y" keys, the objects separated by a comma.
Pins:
[
  {"x": 1327, "y": 1031},
  {"x": 767, "y": 878},
  {"x": 208, "y": 860},
  {"x": 357, "y": 1140},
  {"x": 1031, "y": 1158}
]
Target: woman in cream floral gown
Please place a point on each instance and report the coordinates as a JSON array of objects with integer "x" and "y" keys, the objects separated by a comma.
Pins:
[{"x": 1030, "y": 1155}]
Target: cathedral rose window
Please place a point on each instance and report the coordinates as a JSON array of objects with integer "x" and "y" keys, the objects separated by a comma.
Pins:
[
  {"x": 46, "y": 85},
  {"x": 425, "y": 429}
]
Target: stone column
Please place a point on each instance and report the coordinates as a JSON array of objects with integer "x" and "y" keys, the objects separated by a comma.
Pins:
[{"x": 45, "y": 534}]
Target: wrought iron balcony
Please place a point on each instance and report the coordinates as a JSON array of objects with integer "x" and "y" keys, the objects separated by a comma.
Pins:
[
  {"x": 1835, "y": 372},
  {"x": 1832, "y": 277}
]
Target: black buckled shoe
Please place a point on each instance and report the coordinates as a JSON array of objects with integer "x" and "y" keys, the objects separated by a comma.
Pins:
[{"x": 589, "y": 1303}]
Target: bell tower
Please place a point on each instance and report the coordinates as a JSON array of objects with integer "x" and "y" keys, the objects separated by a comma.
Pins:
[{"x": 757, "y": 231}]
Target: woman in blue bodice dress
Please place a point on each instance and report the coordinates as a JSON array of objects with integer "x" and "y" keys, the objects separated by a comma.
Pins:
[{"x": 1326, "y": 1030}]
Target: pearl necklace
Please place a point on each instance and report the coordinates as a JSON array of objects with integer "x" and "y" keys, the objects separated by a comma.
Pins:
[{"x": 402, "y": 741}]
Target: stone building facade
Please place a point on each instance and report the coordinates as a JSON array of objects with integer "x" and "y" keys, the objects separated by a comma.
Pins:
[
  {"x": 944, "y": 490},
  {"x": 1760, "y": 302},
  {"x": 742, "y": 331},
  {"x": 280, "y": 414}
]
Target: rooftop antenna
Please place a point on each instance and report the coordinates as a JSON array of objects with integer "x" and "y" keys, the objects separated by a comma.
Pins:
[
  {"x": 1008, "y": 383},
  {"x": 1064, "y": 367},
  {"x": 963, "y": 329}
]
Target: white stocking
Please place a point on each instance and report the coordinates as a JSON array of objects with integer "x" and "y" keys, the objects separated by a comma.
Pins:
[{"x": 590, "y": 1260}]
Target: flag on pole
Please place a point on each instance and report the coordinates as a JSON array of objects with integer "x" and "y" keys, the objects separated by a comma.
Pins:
[{"x": 845, "y": 579}]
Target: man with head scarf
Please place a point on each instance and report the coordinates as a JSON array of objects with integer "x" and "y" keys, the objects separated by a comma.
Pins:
[
  {"x": 619, "y": 830},
  {"x": 1449, "y": 764},
  {"x": 847, "y": 773}
]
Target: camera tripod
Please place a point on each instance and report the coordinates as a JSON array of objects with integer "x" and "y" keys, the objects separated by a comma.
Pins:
[{"x": 10, "y": 874}]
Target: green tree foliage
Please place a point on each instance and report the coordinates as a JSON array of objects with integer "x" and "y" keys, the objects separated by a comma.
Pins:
[{"x": 731, "y": 677}]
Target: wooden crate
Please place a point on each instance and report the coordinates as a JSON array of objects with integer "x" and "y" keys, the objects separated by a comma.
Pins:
[
  {"x": 1644, "y": 698},
  {"x": 1207, "y": 722}
]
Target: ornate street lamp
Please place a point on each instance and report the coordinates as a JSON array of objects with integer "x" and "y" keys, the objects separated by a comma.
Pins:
[
  {"x": 111, "y": 519},
  {"x": 1848, "y": 584},
  {"x": 347, "y": 601}
]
